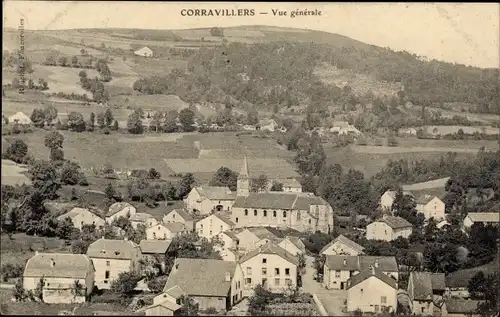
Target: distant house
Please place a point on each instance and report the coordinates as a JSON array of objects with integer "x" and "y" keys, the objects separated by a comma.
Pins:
[
  {"x": 410, "y": 131},
  {"x": 172, "y": 295},
  {"x": 249, "y": 127},
  {"x": 63, "y": 118},
  {"x": 59, "y": 272},
  {"x": 371, "y": 291},
  {"x": 486, "y": 218},
  {"x": 211, "y": 283},
  {"x": 206, "y": 199},
  {"x": 166, "y": 231},
  {"x": 20, "y": 118},
  {"x": 282, "y": 266},
  {"x": 387, "y": 199},
  {"x": 292, "y": 245},
  {"x": 290, "y": 185},
  {"x": 252, "y": 238},
  {"x": 460, "y": 308},
  {"x": 267, "y": 125},
  {"x": 442, "y": 224},
  {"x": 388, "y": 228},
  {"x": 426, "y": 291},
  {"x": 120, "y": 209},
  {"x": 229, "y": 240},
  {"x": 181, "y": 216},
  {"x": 431, "y": 207},
  {"x": 344, "y": 128},
  {"x": 144, "y": 52},
  {"x": 155, "y": 250},
  {"x": 341, "y": 245},
  {"x": 339, "y": 268},
  {"x": 83, "y": 216},
  {"x": 213, "y": 225},
  {"x": 142, "y": 218},
  {"x": 283, "y": 129},
  {"x": 164, "y": 308},
  {"x": 112, "y": 257}
]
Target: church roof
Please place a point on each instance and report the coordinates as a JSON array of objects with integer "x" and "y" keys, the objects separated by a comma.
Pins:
[
  {"x": 278, "y": 200},
  {"x": 244, "y": 169}
]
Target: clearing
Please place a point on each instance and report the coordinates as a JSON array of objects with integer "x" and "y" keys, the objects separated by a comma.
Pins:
[
  {"x": 14, "y": 174},
  {"x": 161, "y": 103}
]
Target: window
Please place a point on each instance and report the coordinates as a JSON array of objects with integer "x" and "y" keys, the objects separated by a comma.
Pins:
[
  {"x": 277, "y": 281},
  {"x": 201, "y": 226},
  {"x": 284, "y": 214},
  {"x": 274, "y": 213},
  {"x": 264, "y": 281},
  {"x": 249, "y": 270},
  {"x": 201, "y": 232},
  {"x": 337, "y": 273},
  {"x": 265, "y": 213},
  {"x": 210, "y": 221},
  {"x": 105, "y": 282},
  {"x": 383, "y": 300},
  {"x": 423, "y": 309},
  {"x": 221, "y": 228},
  {"x": 106, "y": 274},
  {"x": 288, "y": 282},
  {"x": 276, "y": 271},
  {"x": 309, "y": 221},
  {"x": 173, "y": 216},
  {"x": 246, "y": 212},
  {"x": 385, "y": 231},
  {"x": 165, "y": 236},
  {"x": 93, "y": 223},
  {"x": 287, "y": 271},
  {"x": 107, "y": 263},
  {"x": 298, "y": 215},
  {"x": 236, "y": 219},
  {"x": 264, "y": 260},
  {"x": 154, "y": 235},
  {"x": 81, "y": 223},
  {"x": 210, "y": 232},
  {"x": 248, "y": 281},
  {"x": 316, "y": 212},
  {"x": 255, "y": 212},
  {"x": 264, "y": 271}
]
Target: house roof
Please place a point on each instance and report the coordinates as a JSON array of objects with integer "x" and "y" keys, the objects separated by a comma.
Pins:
[
  {"x": 231, "y": 235},
  {"x": 461, "y": 306},
  {"x": 174, "y": 227},
  {"x": 155, "y": 246},
  {"x": 359, "y": 263},
  {"x": 290, "y": 182},
  {"x": 369, "y": 272},
  {"x": 176, "y": 292},
  {"x": 461, "y": 278},
  {"x": 75, "y": 212},
  {"x": 116, "y": 207},
  {"x": 278, "y": 200},
  {"x": 264, "y": 233},
  {"x": 436, "y": 183},
  {"x": 424, "y": 199},
  {"x": 340, "y": 124},
  {"x": 270, "y": 248},
  {"x": 225, "y": 218},
  {"x": 424, "y": 283},
  {"x": 344, "y": 240},
  {"x": 182, "y": 213},
  {"x": 112, "y": 249},
  {"x": 167, "y": 304},
  {"x": 266, "y": 121},
  {"x": 201, "y": 277},
  {"x": 484, "y": 216},
  {"x": 216, "y": 192},
  {"x": 295, "y": 241},
  {"x": 66, "y": 265},
  {"x": 21, "y": 117},
  {"x": 395, "y": 222},
  {"x": 141, "y": 217}
]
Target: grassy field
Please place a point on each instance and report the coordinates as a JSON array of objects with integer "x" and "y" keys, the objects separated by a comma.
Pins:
[
  {"x": 13, "y": 174},
  {"x": 370, "y": 149},
  {"x": 446, "y": 144},
  {"x": 447, "y": 129},
  {"x": 161, "y": 103}
]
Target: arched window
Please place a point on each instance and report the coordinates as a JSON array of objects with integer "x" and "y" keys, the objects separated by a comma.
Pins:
[
  {"x": 255, "y": 212},
  {"x": 274, "y": 213},
  {"x": 246, "y": 212},
  {"x": 265, "y": 213},
  {"x": 284, "y": 214}
]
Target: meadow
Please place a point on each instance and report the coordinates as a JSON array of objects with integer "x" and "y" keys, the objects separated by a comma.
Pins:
[
  {"x": 162, "y": 103},
  {"x": 448, "y": 129}
]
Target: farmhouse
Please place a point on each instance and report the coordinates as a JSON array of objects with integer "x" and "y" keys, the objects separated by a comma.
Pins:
[
  {"x": 213, "y": 225},
  {"x": 60, "y": 273},
  {"x": 173, "y": 295},
  {"x": 164, "y": 308},
  {"x": 292, "y": 245},
  {"x": 486, "y": 218},
  {"x": 181, "y": 216},
  {"x": 164, "y": 231},
  {"x": 387, "y": 199},
  {"x": 144, "y": 52},
  {"x": 290, "y": 185},
  {"x": 83, "y": 216},
  {"x": 20, "y": 118},
  {"x": 120, "y": 209},
  {"x": 426, "y": 292},
  {"x": 341, "y": 245},
  {"x": 112, "y": 257},
  {"x": 339, "y": 268},
  {"x": 431, "y": 207},
  {"x": 253, "y": 237},
  {"x": 267, "y": 125},
  {"x": 270, "y": 266},
  {"x": 142, "y": 218},
  {"x": 206, "y": 199},
  {"x": 211, "y": 283},
  {"x": 371, "y": 291},
  {"x": 388, "y": 228},
  {"x": 153, "y": 250},
  {"x": 344, "y": 128}
]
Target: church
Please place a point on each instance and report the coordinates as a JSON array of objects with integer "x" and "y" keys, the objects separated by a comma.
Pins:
[{"x": 295, "y": 210}]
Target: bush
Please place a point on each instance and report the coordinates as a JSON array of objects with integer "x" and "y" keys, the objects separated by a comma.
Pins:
[{"x": 11, "y": 271}]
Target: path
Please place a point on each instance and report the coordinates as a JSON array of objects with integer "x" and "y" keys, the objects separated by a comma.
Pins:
[{"x": 332, "y": 300}]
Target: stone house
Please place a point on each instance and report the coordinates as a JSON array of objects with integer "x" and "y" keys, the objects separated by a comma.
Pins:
[
  {"x": 229, "y": 240},
  {"x": 181, "y": 216},
  {"x": 144, "y": 52},
  {"x": 207, "y": 199},
  {"x": 388, "y": 228},
  {"x": 252, "y": 238},
  {"x": 119, "y": 209},
  {"x": 154, "y": 251},
  {"x": 60, "y": 272},
  {"x": 293, "y": 245},
  {"x": 267, "y": 125},
  {"x": 426, "y": 291},
  {"x": 339, "y": 268},
  {"x": 211, "y": 283},
  {"x": 431, "y": 207},
  {"x": 165, "y": 231},
  {"x": 142, "y": 218},
  {"x": 486, "y": 218},
  {"x": 387, "y": 199},
  {"x": 371, "y": 291},
  {"x": 213, "y": 225},
  {"x": 83, "y": 216},
  {"x": 341, "y": 245},
  {"x": 270, "y": 266},
  {"x": 290, "y": 185},
  {"x": 112, "y": 257}
]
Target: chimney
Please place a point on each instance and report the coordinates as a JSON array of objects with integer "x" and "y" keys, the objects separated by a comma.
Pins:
[
  {"x": 52, "y": 263},
  {"x": 102, "y": 237},
  {"x": 376, "y": 263},
  {"x": 345, "y": 262},
  {"x": 228, "y": 277},
  {"x": 373, "y": 270}
]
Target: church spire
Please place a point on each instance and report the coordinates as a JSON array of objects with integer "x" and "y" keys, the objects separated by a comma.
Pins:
[{"x": 244, "y": 169}]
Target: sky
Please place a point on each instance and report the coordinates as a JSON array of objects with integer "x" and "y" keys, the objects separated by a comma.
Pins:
[{"x": 466, "y": 33}]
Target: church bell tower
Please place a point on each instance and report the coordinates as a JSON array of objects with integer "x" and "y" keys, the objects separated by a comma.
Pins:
[{"x": 243, "y": 182}]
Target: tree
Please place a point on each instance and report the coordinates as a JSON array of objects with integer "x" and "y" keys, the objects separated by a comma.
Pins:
[
  {"x": 185, "y": 185},
  {"x": 17, "y": 151},
  {"x": 153, "y": 174},
  {"x": 156, "y": 284},
  {"x": 63, "y": 60},
  {"x": 92, "y": 119},
  {"x": 74, "y": 61},
  {"x": 277, "y": 187},
  {"x": 50, "y": 114},
  {"x": 19, "y": 292},
  {"x": 491, "y": 305},
  {"x": 217, "y": 31},
  {"x": 76, "y": 122},
  {"x": 258, "y": 302},
  {"x": 260, "y": 183},
  {"x": 108, "y": 117},
  {"x": 38, "y": 117},
  {"x": 189, "y": 306},
  {"x": 101, "y": 120},
  {"x": 125, "y": 284},
  {"x": 134, "y": 124},
  {"x": 115, "y": 126},
  {"x": 39, "y": 289},
  {"x": 441, "y": 257},
  {"x": 53, "y": 140},
  {"x": 110, "y": 191},
  {"x": 319, "y": 264},
  {"x": 56, "y": 155},
  {"x": 252, "y": 117},
  {"x": 82, "y": 74},
  {"x": 225, "y": 177},
  {"x": 477, "y": 285},
  {"x": 404, "y": 206},
  {"x": 186, "y": 118},
  {"x": 71, "y": 174},
  {"x": 44, "y": 178}
]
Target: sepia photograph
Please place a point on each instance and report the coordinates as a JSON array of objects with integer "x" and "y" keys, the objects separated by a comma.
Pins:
[{"x": 250, "y": 159}]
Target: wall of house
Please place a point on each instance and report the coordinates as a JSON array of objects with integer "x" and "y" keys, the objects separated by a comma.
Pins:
[
  {"x": 159, "y": 311},
  {"x": 114, "y": 266},
  {"x": 459, "y": 292},
  {"x": 338, "y": 248},
  {"x": 253, "y": 270},
  {"x": 405, "y": 233},
  {"x": 237, "y": 284},
  {"x": 468, "y": 222},
  {"x": 290, "y": 247},
  {"x": 423, "y": 308},
  {"x": 148, "y": 223},
  {"x": 87, "y": 219},
  {"x": 367, "y": 296},
  {"x": 386, "y": 201},
  {"x": 228, "y": 255},
  {"x": 241, "y": 220},
  {"x": 206, "y": 302},
  {"x": 61, "y": 296},
  {"x": 337, "y": 279},
  {"x": 193, "y": 200},
  {"x": 211, "y": 226},
  {"x": 125, "y": 212},
  {"x": 433, "y": 209},
  {"x": 381, "y": 231},
  {"x": 228, "y": 242},
  {"x": 159, "y": 232}
]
